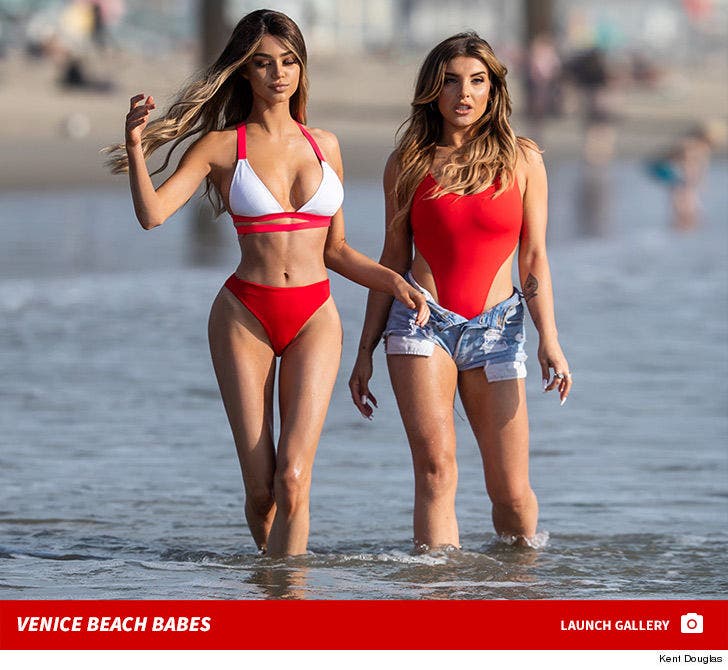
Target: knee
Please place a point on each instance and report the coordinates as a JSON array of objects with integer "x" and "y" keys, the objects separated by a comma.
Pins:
[
  {"x": 292, "y": 487},
  {"x": 436, "y": 473},
  {"x": 513, "y": 497},
  {"x": 259, "y": 501}
]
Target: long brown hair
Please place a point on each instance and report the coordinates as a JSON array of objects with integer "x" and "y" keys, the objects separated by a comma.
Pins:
[
  {"x": 221, "y": 97},
  {"x": 489, "y": 153}
]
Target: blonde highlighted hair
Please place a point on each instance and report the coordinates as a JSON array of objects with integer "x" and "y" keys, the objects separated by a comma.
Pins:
[
  {"x": 221, "y": 97},
  {"x": 490, "y": 151}
]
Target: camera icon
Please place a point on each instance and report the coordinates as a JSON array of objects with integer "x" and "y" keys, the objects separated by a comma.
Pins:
[{"x": 691, "y": 623}]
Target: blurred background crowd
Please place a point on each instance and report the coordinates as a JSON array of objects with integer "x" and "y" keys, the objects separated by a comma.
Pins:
[{"x": 590, "y": 80}]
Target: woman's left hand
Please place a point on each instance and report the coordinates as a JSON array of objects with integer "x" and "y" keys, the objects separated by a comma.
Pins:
[
  {"x": 551, "y": 357},
  {"x": 410, "y": 296}
]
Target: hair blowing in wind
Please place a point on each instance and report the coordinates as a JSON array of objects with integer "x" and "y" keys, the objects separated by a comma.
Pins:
[{"x": 221, "y": 97}]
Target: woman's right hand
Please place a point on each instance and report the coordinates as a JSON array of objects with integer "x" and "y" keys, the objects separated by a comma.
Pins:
[
  {"x": 359, "y": 385},
  {"x": 136, "y": 119},
  {"x": 408, "y": 295}
]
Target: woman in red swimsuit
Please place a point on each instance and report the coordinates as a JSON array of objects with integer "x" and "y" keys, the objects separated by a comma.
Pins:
[
  {"x": 282, "y": 184},
  {"x": 464, "y": 198}
]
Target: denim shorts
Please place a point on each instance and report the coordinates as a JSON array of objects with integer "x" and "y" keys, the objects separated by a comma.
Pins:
[{"x": 493, "y": 340}]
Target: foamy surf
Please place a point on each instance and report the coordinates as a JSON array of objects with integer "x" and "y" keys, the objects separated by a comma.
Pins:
[{"x": 538, "y": 541}]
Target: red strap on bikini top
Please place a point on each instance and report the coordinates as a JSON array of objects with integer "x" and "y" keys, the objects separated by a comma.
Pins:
[
  {"x": 312, "y": 142},
  {"x": 243, "y": 149},
  {"x": 249, "y": 223}
]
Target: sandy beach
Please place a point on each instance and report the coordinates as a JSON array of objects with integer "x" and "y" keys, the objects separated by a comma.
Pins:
[{"x": 50, "y": 137}]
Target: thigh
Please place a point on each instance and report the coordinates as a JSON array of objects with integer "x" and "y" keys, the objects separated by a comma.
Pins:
[
  {"x": 498, "y": 415},
  {"x": 308, "y": 370},
  {"x": 424, "y": 387},
  {"x": 244, "y": 364}
]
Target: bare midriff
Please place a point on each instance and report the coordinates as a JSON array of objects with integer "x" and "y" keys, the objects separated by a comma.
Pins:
[{"x": 281, "y": 258}]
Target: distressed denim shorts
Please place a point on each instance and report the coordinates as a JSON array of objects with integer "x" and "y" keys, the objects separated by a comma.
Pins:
[{"x": 493, "y": 340}]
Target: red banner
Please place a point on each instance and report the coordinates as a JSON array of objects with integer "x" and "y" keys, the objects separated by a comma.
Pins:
[{"x": 466, "y": 625}]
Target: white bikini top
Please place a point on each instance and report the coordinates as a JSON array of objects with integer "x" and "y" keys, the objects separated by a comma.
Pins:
[{"x": 252, "y": 202}]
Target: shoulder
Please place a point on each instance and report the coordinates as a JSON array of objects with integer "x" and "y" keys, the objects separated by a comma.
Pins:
[
  {"x": 529, "y": 156},
  {"x": 329, "y": 146},
  {"x": 214, "y": 146},
  {"x": 327, "y": 141},
  {"x": 392, "y": 168},
  {"x": 216, "y": 138},
  {"x": 530, "y": 168}
]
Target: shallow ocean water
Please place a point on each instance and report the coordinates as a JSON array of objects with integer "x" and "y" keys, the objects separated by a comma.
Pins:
[{"x": 118, "y": 477}]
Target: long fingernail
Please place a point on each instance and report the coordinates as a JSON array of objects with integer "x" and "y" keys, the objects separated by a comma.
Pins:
[
  {"x": 364, "y": 400},
  {"x": 563, "y": 400},
  {"x": 545, "y": 383}
]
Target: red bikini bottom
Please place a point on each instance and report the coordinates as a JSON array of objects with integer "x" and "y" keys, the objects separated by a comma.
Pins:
[{"x": 281, "y": 310}]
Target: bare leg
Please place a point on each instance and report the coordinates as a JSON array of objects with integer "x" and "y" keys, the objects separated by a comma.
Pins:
[
  {"x": 425, "y": 392},
  {"x": 684, "y": 207},
  {"x": 306, "y": 380},
  {"x": 245, "y": 367},
  {"x": 499, "y": 418}
]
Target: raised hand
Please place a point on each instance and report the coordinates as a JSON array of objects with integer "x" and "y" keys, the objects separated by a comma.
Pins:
[{"x": 137, "y": 118}]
